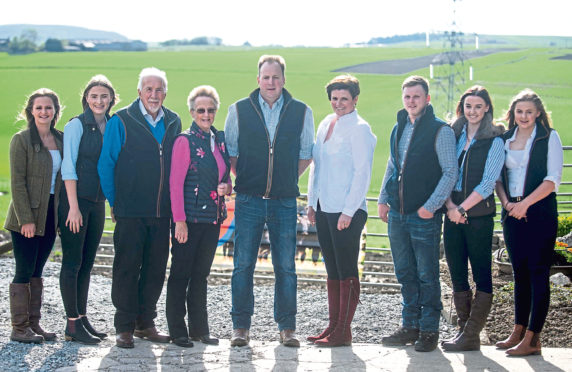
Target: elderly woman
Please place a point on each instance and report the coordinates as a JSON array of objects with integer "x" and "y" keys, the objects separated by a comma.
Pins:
[
  {"x": 337, "y": 187},
  {"x": 468, "y": 229},
  {"x": 200, "y": 178},
  {"x": 35, "y": 160},
  {"x": 531, "y": 176},
  {"x": 82, "y": 207}
]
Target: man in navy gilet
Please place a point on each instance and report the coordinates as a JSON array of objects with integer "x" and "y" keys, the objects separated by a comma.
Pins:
[
  {"x": 269, "y": 137},
  {"x": 134, "y": 173},
  {"x": 421, "y": 172}
]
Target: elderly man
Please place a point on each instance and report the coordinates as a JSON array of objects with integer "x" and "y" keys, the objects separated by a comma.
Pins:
[
  {"x": 269, "y": 137},
  {"x": 421, "y": 172},
  {"x": 134, "y": 173}
]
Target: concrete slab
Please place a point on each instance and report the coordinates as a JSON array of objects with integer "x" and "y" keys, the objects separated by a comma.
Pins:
[{"x": 271, "y": 356}]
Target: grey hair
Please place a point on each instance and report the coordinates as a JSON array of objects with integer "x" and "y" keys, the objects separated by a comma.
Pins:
[
  {"x": 152, "y": 72},
  {"x": 203, "y": 91}
]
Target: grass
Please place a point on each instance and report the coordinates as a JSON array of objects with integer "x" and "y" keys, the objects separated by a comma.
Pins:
[{"x": 233, "y": 72}]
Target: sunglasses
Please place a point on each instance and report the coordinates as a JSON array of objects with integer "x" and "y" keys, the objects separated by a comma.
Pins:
[{"x": 202, "y": 110}]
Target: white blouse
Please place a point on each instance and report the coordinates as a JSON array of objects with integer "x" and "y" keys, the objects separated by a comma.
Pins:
[
  {"x": 341, "y": 171},
  {"x": 517, "y": 162}
]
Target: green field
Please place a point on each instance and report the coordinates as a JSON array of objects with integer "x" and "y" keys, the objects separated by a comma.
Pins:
[{"x": 233, "y": 73}]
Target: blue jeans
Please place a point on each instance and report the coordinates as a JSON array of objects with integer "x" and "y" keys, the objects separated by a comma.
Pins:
[
  {"x": 251, "y": 213},
  {"x": 415, "y": 249}
]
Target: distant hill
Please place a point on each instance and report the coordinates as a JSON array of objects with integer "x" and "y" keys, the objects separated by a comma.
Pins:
[{"x": 60, "y": 32}]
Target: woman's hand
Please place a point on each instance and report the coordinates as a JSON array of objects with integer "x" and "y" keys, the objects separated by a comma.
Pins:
[
  {"x": 181, "y": 232},
  {"x": 28, "y": 230},
  {"x": 311, "y": 215},
  {"x": 222, "y": 189},
  {"x": 518, "y": 210},
  {"x": 344, "y": 221},
  {"x": 75, "y": 220},
  {"x": 455, "y": 216}
]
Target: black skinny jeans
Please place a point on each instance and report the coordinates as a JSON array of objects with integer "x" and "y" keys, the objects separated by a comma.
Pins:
[
  {"x": 31, "y": 254},
  {"x": 530, "y": 244},
  {"x": 190, "y": 265},
  {"x": 139, "y": 265},
  {"x": 469, "y": 242},
  {"x": 79, "y": 251},
  {"x": 340, "y": 248}
]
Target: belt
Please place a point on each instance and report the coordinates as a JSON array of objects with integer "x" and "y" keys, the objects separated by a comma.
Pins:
[{"x": 515, "y": 200}]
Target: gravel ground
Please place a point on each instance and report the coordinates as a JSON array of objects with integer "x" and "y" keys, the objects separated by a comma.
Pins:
[{"x": 377, "y": 315}]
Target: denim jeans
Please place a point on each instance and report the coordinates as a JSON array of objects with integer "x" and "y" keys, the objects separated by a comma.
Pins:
[
  {"x": 415, "y": 249},
  {"x": 279, "y": 215}
]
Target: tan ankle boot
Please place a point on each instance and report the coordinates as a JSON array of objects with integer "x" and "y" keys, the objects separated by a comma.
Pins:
[
  {"x": 515, "y": 337},
  {"x": 530, "y": 345}
]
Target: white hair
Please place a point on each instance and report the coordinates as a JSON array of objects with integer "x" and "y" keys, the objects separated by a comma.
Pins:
[{"x": 152, "y": 72}]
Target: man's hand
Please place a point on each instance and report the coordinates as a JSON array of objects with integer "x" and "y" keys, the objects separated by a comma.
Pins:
[
  {"x": 382, "y": 211},
  {"x": 112, "y": 215},
  {"x": 424, "y": 213},
  {"x": 311, "y": 215}
]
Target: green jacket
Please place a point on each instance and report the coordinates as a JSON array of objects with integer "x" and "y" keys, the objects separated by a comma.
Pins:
[{"x": 31, "y": 178}]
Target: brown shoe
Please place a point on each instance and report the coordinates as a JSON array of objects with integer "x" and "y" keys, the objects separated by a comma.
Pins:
[
  {"x": 239, "y": 337},
  {"x": 530, "y": 345},
  {"x": 152, "y": 335},
  {"x": 125, "y": 340},
  {"x": 288, "y": 338},
  {"x": 514, "y": 339},
  {"x": 19, "y": 305},
  {"x": 36, "y": 294}
]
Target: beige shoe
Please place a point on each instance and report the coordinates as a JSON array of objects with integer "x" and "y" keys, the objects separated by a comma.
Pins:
[
  {"x": 288, "y": 338},
  {"x": 239, "y": 337}
]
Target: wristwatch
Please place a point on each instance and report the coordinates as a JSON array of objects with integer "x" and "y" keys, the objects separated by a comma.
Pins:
[{"x": 462, "y": 211}]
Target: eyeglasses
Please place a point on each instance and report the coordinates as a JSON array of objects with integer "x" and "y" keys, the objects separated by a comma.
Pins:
[{"x": 202, "y": 110}]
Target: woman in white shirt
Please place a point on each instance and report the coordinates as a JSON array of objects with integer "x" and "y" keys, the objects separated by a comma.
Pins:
[
  {"x": 532, "y": 173},
  {"x": 337, "y": 188}
]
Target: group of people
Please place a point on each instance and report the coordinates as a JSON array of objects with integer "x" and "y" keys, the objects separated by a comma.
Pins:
[
  {"x": 435, "y": 169},
  {"x": 166, "y": 186}
]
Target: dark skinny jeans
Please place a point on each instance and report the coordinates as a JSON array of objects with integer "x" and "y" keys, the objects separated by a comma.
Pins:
[
  {"x": 340, "y": 248},
  {"x": 466, "y": 243},
  {"x": 187, "y": 286},
  {"x": 79, "y": 250},
  {"x": 31, "y": 254}
]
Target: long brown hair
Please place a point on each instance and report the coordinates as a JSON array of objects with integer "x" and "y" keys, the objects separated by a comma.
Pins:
[
  {"x": 478, "y": 91},
  {"x": 528, "y": 95},
  {"x": 101, "y": 81},
  {"x": 26, "y": 113}
]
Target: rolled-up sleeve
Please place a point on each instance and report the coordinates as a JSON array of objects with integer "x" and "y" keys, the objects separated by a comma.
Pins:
[
  {"x": 493, "y": 167},
  {"x": 231, "y": 131},
  {"x": 307, "y": 136},
  {"x": 73, "y": 132},
  {"x": 555, "y": 160}
]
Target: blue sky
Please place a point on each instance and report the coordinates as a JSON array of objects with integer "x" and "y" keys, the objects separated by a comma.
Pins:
[{"x": 300, "y": 22}]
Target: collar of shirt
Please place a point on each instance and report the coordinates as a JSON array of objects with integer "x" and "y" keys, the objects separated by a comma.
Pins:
[
  {"x": 528, "y": 141},
  {"x": 276, "y": 106},
  {"x": 148, "y": 117}
]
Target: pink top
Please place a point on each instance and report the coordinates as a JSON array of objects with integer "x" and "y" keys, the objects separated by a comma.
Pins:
[{"x": 180, "y": 162}]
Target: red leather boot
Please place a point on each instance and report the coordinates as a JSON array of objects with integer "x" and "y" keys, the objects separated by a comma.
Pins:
[{"x": 333, "y": 309}]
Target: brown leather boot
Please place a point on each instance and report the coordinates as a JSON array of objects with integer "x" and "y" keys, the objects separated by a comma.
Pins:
[
  {"x": 349, "y": 298},
  {"x": 462, "y": 301},
  {"x": 19, "y": 305},
  {"x": 515, "y": 337},
  {"x": 469, "y": 338},
  {"x": 333, "y": 309},
  {"x": 530, "y": 345},
  {"x": 36, "y": 292}
]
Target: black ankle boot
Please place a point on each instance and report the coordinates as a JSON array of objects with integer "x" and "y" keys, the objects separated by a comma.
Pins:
[
  {"x": 427, "y": 341},
  {"x": 401, "y": 337},
  {"x": 75, "y": 331},
  {"x": 91, "y": 330}
]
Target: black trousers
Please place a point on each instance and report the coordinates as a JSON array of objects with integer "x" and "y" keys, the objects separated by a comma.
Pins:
[
  {"x": 340, "y": 248},
  {"x": 141, "y": 253},
  {"x": 79, "y": 251},
  {"x": 469, "y": 242},
  {"x": 31, "y": 254},
  {"x": 530, "y": 244},
  {"x": 190, "y": 265}
]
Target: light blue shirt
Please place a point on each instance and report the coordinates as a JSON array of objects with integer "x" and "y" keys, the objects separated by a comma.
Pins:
[
  {"x": 271, "y": 119},
  {"x": 493, "y": 165},
  {"x": 341, "y": 172},
  {"x": 152, "y": 122},
  {"x": 73, "y": 131}
]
